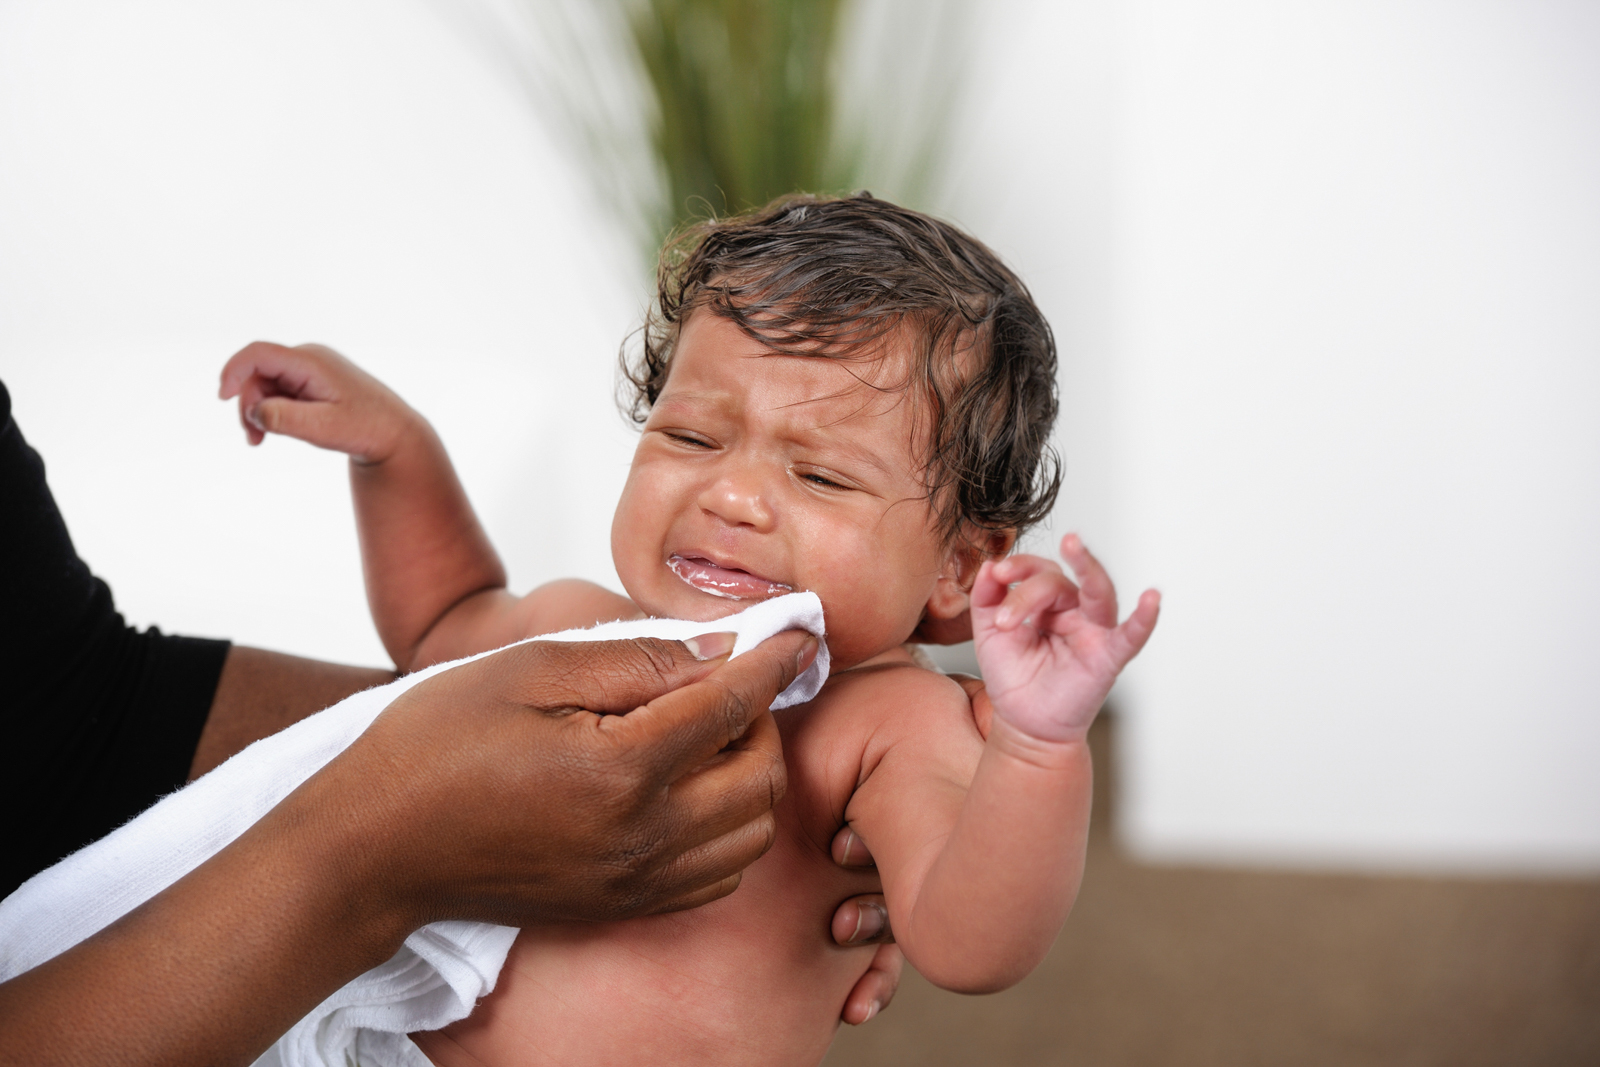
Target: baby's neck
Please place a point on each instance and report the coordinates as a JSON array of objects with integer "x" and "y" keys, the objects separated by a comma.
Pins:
[{"x": 899, "y": 654}]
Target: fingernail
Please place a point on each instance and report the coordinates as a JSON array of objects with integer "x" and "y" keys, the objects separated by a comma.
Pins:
[
  {"x": 871, "y": 920},
  {"x": 711, "y": 646},
  {"x": 852, "y": 851},
  {"x": 253, "y": 417},
  {"x": 807, "y": 653},
  {"x": 873, "y": 1010}
]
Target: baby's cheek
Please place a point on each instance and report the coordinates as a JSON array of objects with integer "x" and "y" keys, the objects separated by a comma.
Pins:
[{"x": 872, "y": 617}]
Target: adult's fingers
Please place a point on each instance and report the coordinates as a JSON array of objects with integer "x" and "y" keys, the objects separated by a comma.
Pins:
[
  {"x": 715, "y": 802},
  {"x": 863, "y": 920},
  {"x": 714, "y": 869},
  {"x": 602, "y": 676},
  {"x": 849, "y": 850},
  {"x": 723, "y": 817},
  {"x": 874, "y": 990},
  {"x": 683, "y": 729}
]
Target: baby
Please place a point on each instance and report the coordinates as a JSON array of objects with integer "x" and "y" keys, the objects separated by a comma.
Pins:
[{"x": 840, "y": 396}]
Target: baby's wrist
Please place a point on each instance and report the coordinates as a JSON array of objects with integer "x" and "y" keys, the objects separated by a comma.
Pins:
[
  {"x": 1059, "y": 751},
  {"x": 406, "y": 439}
]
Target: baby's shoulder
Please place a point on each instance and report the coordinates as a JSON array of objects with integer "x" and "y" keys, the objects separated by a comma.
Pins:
[
  {"x": 892, "y": 698},
  {"x": 571, "y": 604},
  {"x": 891, "y": 705}
]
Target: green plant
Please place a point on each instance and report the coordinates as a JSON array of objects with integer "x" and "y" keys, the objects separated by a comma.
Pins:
[
  {"x": 744, "y": 94},
  {"x": 683, "y": 108}
]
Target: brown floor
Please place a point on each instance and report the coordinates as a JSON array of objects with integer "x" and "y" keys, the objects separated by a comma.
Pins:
[{"x": 1194, "y": 968}]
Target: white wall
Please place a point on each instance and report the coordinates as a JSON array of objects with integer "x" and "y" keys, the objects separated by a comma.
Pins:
[
  {"x": 1330, "y": 279},
  {"x": 1324, "y": 277},
  {"x": 179, "y": 178}
]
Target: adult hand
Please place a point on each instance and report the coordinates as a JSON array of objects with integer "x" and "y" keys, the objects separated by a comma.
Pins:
[
  {"x": 497, "y": 791},
  {"x": 721, "y": 839},
  {"x": 533, "y": 800},
  {"x": 864, "y": 920}
]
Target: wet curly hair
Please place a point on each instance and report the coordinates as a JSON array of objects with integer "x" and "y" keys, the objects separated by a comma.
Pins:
[{"x": 835, "y": 277}]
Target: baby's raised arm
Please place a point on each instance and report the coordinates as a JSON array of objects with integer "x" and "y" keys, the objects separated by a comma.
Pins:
[
  {"x": 435, "y": 586},
  {"x": 979, "y": 879}
]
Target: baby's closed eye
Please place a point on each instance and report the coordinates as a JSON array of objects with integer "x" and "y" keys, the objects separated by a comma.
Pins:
[
  {"x": 687, "y": 439},
  {"x": 824, "y": 480}
]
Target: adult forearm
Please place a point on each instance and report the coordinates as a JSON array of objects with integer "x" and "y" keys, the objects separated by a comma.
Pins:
[
  {"x": 213, "y": 970},
  {"x": 995, "y": 898},
  {"x": 483, "y": 794},
  {"x": 261, "y": 692}
]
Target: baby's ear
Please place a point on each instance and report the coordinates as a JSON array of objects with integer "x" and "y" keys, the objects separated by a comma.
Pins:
[{"x": 945, "y": 620}]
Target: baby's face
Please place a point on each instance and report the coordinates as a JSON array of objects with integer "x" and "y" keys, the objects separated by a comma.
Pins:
[{"x": 760, "y": 474}]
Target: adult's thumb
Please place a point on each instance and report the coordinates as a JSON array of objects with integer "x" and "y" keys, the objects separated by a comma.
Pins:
[
  {"x": 689, "y": 725},
  {"x": 607, "y": 676}
]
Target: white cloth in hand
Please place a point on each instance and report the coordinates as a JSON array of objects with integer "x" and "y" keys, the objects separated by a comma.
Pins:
[{"x": 442, "y": 970}]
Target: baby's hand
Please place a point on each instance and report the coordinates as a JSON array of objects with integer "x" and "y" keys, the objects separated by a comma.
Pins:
[
  {"x": 313, "y": 393},
  {"x": 1050, "y": 649}
]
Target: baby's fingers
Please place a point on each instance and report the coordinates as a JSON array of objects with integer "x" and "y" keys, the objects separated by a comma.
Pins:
[
  {"x": 1045, "y": 593},
  {"x": 314, "y": 422},
  {"x": 251, "y": 393},
  {"x": 996, "y": 577},
  {"x": 1098, "y": 594},
  {"x": 292, "y": 371},
  {"x": 1129, "y": 638}
]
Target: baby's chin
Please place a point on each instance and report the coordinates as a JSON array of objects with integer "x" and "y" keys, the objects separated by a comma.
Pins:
[{"x": 690, "y": 604}]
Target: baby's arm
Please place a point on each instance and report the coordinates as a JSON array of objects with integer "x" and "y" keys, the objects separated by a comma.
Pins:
[
  {"x": 435, "y": 586},
  {"x": 979, "y": 879}
]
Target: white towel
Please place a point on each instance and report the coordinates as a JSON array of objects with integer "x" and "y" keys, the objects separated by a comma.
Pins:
[{"x": 442, "y": 970}]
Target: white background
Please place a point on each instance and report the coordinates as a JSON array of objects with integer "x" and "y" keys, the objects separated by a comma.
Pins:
[{"x": 1326, "y": 278}]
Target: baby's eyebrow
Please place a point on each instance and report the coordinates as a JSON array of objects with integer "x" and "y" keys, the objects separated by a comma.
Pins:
[
  {"x": 693, "y": 398},
  {"x": 819, "y": 438}
]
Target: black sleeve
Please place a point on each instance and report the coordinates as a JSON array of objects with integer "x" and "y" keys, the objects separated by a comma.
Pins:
[{"x": 102, "y": 720}]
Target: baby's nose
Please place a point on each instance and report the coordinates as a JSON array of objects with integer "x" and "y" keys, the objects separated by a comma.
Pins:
[{"x": 738, "y": 500}]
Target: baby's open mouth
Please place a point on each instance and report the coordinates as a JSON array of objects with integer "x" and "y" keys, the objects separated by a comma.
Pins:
[{"x": 731, "y": 582}]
